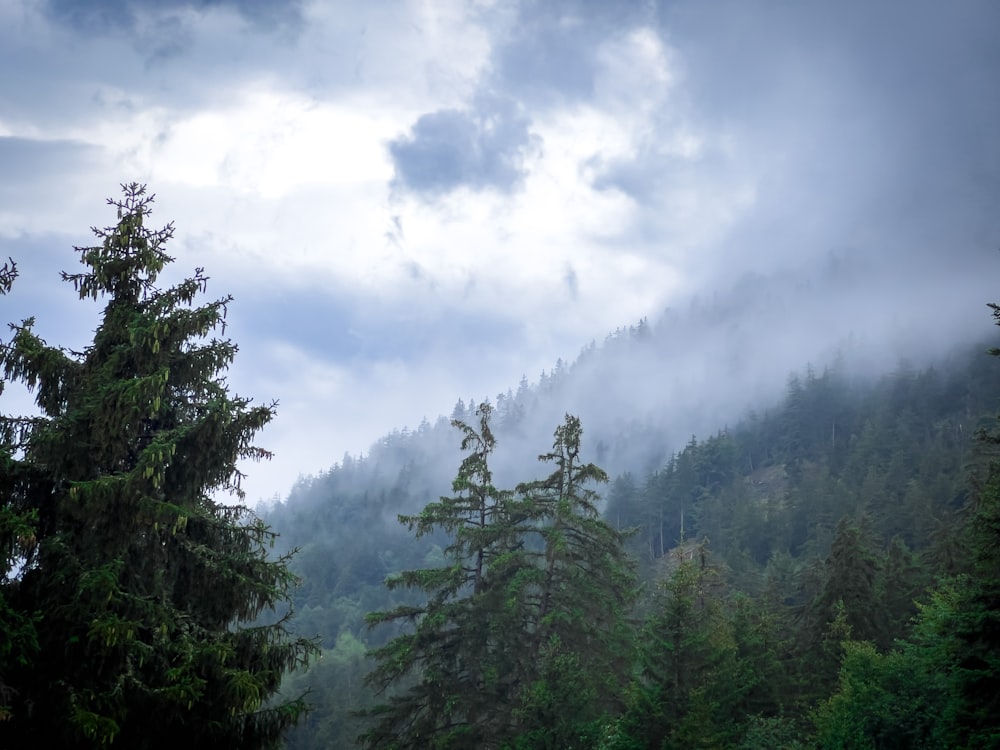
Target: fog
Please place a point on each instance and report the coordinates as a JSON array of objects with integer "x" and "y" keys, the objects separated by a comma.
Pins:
[{"x": 414, "y": 202}]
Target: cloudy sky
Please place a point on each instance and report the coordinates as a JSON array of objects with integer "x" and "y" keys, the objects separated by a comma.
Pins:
[{"x": 414, "y": 201}]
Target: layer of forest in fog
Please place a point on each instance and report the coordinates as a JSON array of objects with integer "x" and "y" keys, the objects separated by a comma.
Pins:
[
  {"x": 819, "y": 569},
  {"x": 751, "y": 502},
  {"x": 780, "y": 557}
]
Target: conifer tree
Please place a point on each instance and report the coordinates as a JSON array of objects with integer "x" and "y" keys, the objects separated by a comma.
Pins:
[
  {"x": 690, "y": 682},
  {"x": 18, "y": 641},
  {"x": 583, "y": 586},
  {"x": 144, "y": 587},
  {"x": 523, "y": 640},
  {"x": 851, "y": 575},
  {"x": 458, "y": 656}
]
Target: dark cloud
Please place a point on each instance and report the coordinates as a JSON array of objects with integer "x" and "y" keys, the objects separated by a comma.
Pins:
[
  {"x": 103, "y": 16},
  {"x": 572, "y": 282},
  {"x": 869, "y": 126},
  {"x": 83, "y": 62},
  {"x": 24, "y": 158},
  {"x": 451, "y": 148},
  {"x": 651, "y": 173},
  {"x": 336, "y": 324},
  {"x": 551, "y": 52}
]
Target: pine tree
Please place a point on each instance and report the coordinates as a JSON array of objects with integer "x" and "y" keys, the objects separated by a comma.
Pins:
[
  {"x": 691, "y": 688},
  {"x": 145, "y": 587},
  {"x": 522, "y": 641},
  {"x": 581, "y": 592},
  {"x": 457, "y": 662},
  {"x": 18, "y": 640}
]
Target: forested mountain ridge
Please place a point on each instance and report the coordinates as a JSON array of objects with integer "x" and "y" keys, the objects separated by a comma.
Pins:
[
  {"x": 814, "y": 522},
  {"x": 646, "y": 388},
  {"x": 821, "y": 572}
]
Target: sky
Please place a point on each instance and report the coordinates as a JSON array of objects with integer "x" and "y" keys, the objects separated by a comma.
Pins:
[{"x": 416, "y": 201}]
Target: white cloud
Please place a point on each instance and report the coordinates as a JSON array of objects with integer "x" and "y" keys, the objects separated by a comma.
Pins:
[
  {"x": 635, "y": 73},
  {"x": 271, "y": 143},
  {"x": 328, "y": 408},
  {"x": 673, "y": 152},
  {"x": 419, "y": 54}
]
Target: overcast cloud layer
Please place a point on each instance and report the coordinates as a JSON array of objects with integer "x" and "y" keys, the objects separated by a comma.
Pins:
[{"x": 416, "y": 201}]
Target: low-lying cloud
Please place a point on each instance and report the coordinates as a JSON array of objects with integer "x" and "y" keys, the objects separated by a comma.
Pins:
[{"x": 413, "y": 200}]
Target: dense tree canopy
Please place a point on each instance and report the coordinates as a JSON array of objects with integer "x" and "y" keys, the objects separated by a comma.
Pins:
[{"x": 813, "y": 617}]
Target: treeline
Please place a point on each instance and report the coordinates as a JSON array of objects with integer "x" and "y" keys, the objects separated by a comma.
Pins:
[{"x": 815, "y": 575}]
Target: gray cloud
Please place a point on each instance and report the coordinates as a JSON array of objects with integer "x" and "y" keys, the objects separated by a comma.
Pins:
[
  {"x": 550, "y": 54},
  {"x": 572, "y": 282},
  {"x": 852, "y": 125},
  {"x": 44, "y": 181},
  {"x": 868, "y": 130},
  {"x": 336, "y": 323},
  {"x": 451, "y": 148},
  {"x": 24, "y": 158},
  {"x": 81, "y": 63},
  {"x": 105, "y": 16}
]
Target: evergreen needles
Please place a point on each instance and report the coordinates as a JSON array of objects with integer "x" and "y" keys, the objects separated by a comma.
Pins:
[{"x": 134, "y": 593}]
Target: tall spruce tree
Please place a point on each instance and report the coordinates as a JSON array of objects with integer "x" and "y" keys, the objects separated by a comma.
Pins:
[
  {"x": 523, "y": 640},
  {"x": 457, "y": 663},
  {"x": 850, "y": 585},
  {"x": 582, "y": 589},
  {"x": 144, "y": 588},
  {"x": 18, "y": 641},
  {"x": 690, "y": 685}
]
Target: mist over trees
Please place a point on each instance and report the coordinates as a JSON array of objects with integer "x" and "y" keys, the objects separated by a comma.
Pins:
[
  {"x": 784, "y": 561},
  {"x": 818, "y": 569},
  {"x": 523, "y": 639}
]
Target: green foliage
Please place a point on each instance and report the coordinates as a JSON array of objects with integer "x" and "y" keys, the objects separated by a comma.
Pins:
[
  {"x": 18, "y": 538},
  {"x": 522, "y": 640},
  {"x": 583, "y": 590},
  {"x": 144, "y": 589},
  {"x": 886, "y": 701},
  {"x": 772, "y": 733},
  {"x": 849, "y": 583},
  {"x": 830, "y": 516},
  {"x": 691, "y": 682},
  {"x": 339, "y": 671},
  {"x": 459, "y": 660}
]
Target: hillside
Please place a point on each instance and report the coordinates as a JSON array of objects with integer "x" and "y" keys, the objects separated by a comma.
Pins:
[{"x": 769, "y": 500}]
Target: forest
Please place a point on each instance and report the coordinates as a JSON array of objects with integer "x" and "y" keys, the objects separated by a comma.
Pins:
[{"x": 822, "y": 572}]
